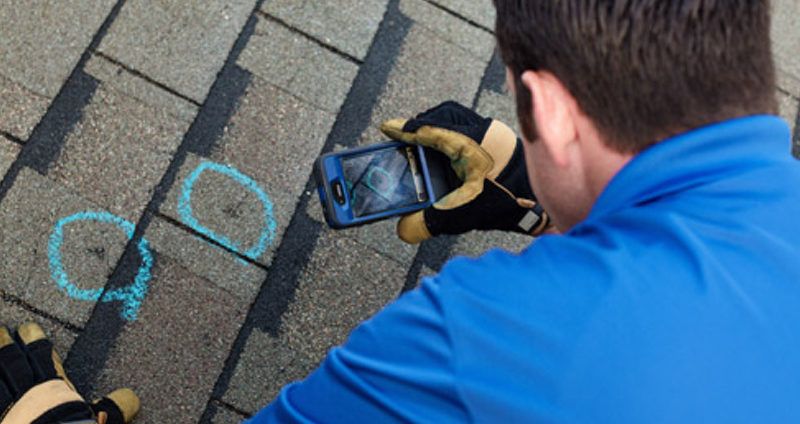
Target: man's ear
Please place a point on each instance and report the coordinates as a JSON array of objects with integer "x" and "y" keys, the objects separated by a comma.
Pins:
[{"x": 553, "y": 113}]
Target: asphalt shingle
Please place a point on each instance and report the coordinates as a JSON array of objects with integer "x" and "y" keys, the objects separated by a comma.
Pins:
[
  {"x": 8, "y": 152},
  {"x": 172, "y": 354},
  {"x": 115, "y": 77},
  {"x": 498, "y": 106},
  {"x": 272, "y": 140},
  {"x": 21, "y": 109},
  {"x": 789, "y": 108},
  {"x": 14, "y": 316},
  {"x": 786, "y": 43},
  {"x": 298, "y": 65},
  {"x": 479, "y": 11},
  {"x": 87, "y": 253},
  {"x": 41, "y": 43},
  {"x": 140, "y": 138},
  {"x": 235, "y": 276},
  {"x": 472, "y": 40},
  {"x": 225, "y": 416},
  {"x": 179, "y": 44},
  {"x": 347, "y": 25},
  {"x": 343, "y": 284}
]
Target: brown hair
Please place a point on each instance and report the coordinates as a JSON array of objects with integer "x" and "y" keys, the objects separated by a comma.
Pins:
[{"x": 643, "y": 70}]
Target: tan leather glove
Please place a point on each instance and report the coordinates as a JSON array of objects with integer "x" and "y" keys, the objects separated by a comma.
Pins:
[
  {"x": 34, "y": 387},
  {"x": 487, "y": 157}
]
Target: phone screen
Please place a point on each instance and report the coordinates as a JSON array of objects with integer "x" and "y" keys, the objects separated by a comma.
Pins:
[{"x": 384, "y": 180}]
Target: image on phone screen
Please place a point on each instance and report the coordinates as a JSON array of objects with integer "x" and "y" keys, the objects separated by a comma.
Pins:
[{"x": 383, "y": 180}]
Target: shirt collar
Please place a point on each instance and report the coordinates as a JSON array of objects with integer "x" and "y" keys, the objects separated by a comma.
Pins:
[{"x": 694, "y": 158}]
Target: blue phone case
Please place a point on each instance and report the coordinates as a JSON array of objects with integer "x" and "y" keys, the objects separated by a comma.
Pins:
[{"x": 328, "y": 169}]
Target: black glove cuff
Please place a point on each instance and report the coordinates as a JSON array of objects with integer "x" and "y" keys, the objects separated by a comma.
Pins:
[{"x": 110, "y": 408}]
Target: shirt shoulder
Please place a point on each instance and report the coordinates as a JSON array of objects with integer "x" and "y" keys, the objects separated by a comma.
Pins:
[{"x": 514, "y": 321}]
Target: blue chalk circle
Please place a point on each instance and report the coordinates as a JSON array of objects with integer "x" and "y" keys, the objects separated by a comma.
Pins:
[
  {"x": 187, "y": 215},
  {"x": 132, "y": 295}
]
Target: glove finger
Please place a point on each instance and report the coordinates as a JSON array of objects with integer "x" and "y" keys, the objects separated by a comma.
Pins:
[
  {"x": 46, "y": 358},
  {"x": 393, "y": 129},
  {"x": 119, "y": 406},
  {"x": 39, "y": 351},
  {"x": 412, "y": 228},
  {"x": 15, "y": 371}
]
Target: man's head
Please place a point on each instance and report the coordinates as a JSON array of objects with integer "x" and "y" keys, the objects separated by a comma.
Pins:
[{"x": 597, "y": 82}]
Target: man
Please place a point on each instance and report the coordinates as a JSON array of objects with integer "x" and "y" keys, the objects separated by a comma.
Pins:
[{"x": 673, "y": 294}]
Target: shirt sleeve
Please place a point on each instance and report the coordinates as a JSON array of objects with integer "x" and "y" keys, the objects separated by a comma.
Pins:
[{"x": 396, "y": 367}]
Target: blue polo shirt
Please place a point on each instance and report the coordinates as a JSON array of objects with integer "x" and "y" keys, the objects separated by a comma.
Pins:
[{"x": 677, "y": 300}]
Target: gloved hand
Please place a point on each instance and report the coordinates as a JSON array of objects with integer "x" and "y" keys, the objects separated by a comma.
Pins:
[
  {"x": 35, "y": 389},
  {"x": 487, "y": 157}
]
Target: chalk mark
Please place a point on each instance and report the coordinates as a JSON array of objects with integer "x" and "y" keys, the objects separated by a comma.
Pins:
[
  {"x": 187, "y": 215},
  {"x": 131, "y": 296}
]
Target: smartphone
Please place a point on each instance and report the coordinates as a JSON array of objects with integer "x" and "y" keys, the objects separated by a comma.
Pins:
[{"x": 389, "y": 179}]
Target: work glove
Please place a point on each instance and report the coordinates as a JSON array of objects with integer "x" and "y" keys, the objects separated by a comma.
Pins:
[
  {"x": 487, "y": 157},
  {"x": 35, "y": 389}
]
